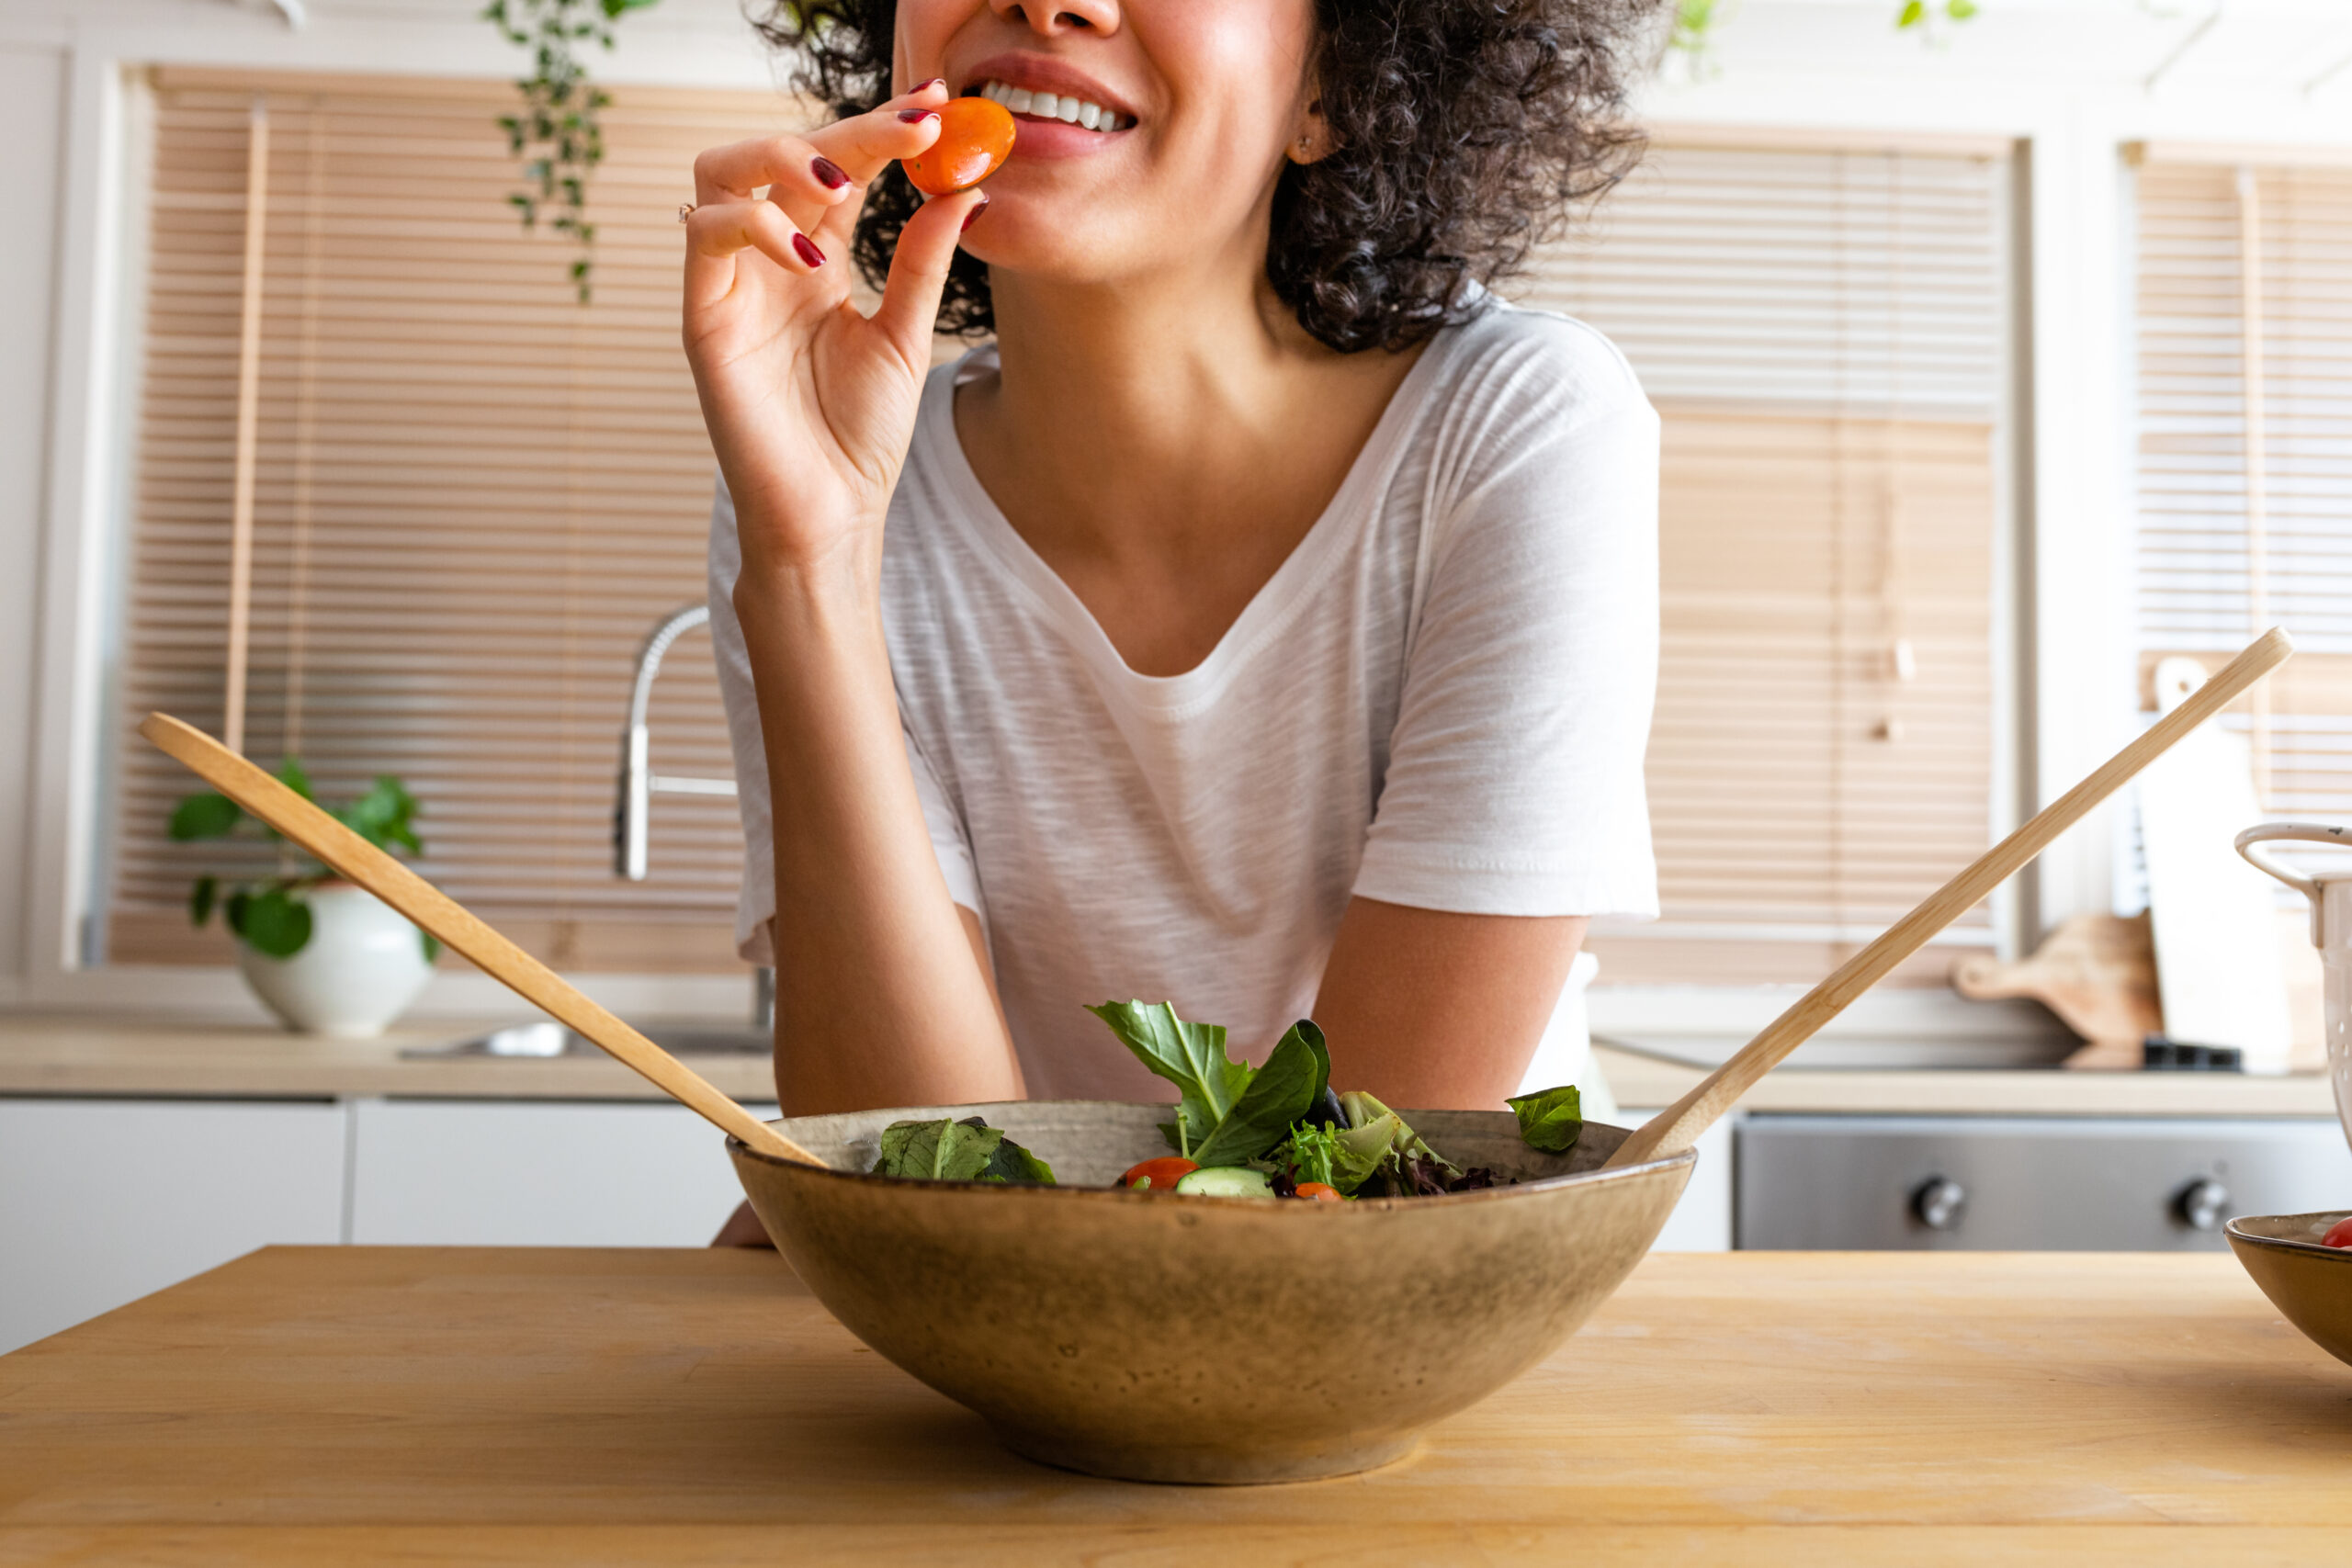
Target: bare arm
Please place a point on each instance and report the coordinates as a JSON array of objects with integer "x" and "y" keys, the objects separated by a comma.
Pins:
[
  {"x": 1437, "y": 1010},
  {"x": 811, "y": 406},
  {"x": 742, "y": 1227},
  {"x": 881, "y": 996}
]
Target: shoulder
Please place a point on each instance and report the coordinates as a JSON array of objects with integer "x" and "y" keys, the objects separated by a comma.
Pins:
[
  {"x": 1533, "y": 418},
  {"x": 1525, "y": 370}
]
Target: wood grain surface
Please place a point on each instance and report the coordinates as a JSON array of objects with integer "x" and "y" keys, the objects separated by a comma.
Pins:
[{"x": 306, "y": 1405}]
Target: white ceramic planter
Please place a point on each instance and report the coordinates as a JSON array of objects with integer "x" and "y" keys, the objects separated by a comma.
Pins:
[{"x": 358, "y": 972}]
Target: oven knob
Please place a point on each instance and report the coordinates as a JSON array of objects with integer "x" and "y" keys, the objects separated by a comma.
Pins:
[
  {"x": 1938, "y": 1203},
  {"x": 2203, "y": 1204}
]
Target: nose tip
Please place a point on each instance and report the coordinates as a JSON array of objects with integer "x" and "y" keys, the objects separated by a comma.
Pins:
[{"x": 1050, "y": 20}]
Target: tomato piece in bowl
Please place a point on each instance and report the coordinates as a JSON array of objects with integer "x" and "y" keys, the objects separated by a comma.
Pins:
[{"x": 1158, "y": 1175}]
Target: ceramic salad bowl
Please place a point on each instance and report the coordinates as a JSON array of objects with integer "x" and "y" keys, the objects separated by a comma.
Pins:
[
  {"x": 2310, "y": 1285},
  {"x": 1166, "y": 1337}
]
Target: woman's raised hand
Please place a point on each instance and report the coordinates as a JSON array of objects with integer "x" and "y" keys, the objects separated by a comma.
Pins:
[{"x": 809, "y": 404}]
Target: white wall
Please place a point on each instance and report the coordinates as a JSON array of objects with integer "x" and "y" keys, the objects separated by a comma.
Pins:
[
  {"x": 2072, "y": 78},
  {"x": 32, "y": 117}
]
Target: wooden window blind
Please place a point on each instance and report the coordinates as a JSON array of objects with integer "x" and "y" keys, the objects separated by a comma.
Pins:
[
  {"x": 1826, "y": 334},
  {"x": 2244, "y": 448},
  {"x": 472, "y": 499}
]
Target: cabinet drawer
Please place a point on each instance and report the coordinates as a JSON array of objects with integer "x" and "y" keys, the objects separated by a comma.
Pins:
[
  {"x": 458, "y": 1173},
  {"x": 104, "y": 1200}
]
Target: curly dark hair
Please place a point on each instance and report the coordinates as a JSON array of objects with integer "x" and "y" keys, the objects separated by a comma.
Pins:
[{"x": 1463, "y": 133}]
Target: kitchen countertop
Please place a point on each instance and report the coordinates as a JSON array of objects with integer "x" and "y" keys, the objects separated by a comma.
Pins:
[
  {"x": 95, "y": 1056},
  {"x": 542, "y": 1404},
  {"x": 1638, "y": 1081},
  {"x": 98, "y": 1055}
]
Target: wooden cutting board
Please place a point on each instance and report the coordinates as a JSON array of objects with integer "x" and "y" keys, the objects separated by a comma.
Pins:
[
  {"x": 2097, "y": 973},
  {"x": 527, "y": 1405},
  {"x": 2218, "y": 964}
]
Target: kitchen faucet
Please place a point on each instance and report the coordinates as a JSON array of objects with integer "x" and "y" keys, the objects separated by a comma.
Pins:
[{"x": 632, "y": 810}]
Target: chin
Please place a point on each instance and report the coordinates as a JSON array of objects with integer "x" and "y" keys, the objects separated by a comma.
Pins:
[{"x": 1046, "y": 238}]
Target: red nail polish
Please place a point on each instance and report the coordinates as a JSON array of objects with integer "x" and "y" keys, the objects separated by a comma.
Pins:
[
  {"x": 973, "y": 216},
  {"x": 935, "y": 81},
  {"x": 809, "y": 254},
  {"x": 829, "y": 173},
  {"x": 916, "y": 117}
]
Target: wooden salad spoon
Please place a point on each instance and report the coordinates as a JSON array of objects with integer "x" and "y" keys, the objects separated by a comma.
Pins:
[
  {"x": 1670, "y": 1132},
  {"x": 449, "y": 922},
  {"x": 1678, "y": 1126}
]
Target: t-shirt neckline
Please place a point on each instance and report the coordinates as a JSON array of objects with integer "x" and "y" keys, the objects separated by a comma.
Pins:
[{"x": 974, "y": 511}]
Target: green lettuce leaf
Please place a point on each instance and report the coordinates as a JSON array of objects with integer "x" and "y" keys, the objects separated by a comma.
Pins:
[
  {"x": 947, "y": 1150},
  {"x": 1012, "y": 1163},
  {"x": 944, "y": 1150},
  {"x": 1326, "y": 1155},
  {"x": 1278, "y": 1095},
  {"x": 1365, "y": 1113},
  {"x": 1228, "y": 1113},
  {"x": 1190, "y": 1056},
  {"x": 1551, "y": 1120},
  {"x": 1309, "y": 1031}
]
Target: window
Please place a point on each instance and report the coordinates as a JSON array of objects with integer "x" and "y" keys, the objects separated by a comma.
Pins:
[
  {"x": 2244, "y": 449},
  {"x": 471, "y": 499},
  {"x": 1826, "y": 333}
]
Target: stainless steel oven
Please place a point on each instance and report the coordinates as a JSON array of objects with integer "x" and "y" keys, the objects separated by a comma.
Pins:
[{"x": 2022, "y": 1182}]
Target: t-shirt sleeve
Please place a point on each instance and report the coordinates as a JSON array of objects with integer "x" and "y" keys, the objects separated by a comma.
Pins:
[
  {"x": 755, "y": 904},
  {"x": 1514, "y": 778}
]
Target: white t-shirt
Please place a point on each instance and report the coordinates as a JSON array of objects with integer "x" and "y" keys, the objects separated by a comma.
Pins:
[{"x": 1440, "y": 700}]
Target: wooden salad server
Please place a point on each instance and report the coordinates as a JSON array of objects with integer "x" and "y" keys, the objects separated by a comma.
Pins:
[
  {"x": 449, "y": 922},
  {"x": 1678, "y": 1126}
]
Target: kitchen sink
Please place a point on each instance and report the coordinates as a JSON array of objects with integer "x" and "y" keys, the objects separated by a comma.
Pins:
[{"x": 548, "y": 1039}]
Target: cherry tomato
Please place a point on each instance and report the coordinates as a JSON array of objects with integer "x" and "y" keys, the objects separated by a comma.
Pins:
[
  {"x": 975, "y": 137},
  {"x": 1162, "y": 1174},
  {"x": 1318, "y": 1193},
  {"x": 2339, "y": 1233}
]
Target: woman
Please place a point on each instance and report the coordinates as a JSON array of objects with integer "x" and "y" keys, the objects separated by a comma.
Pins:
[{"x": 1266, "y": 622}]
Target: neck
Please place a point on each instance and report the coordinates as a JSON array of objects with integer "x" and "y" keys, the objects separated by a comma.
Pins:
[
  {"x": 1147, "y": 377},
  {"x": 1165, "y": 442}
]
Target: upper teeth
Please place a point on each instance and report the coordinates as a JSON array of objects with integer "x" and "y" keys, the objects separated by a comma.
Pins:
[{"x": 1046, "y": 106}]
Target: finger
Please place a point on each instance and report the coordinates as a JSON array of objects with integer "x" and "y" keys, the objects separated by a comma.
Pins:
[
  {"x": 785, "y": 166},
  {"x": 919, "y": 273},
  {"x": 863, "y": 145},
  {"x": 866, "y": 144},
  {"x": 717, "y": 235}
]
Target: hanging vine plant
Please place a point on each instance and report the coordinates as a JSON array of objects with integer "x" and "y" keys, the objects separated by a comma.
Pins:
[
  {"x": 557, "y": 134},
  {"x": 1695, "y": 20}
]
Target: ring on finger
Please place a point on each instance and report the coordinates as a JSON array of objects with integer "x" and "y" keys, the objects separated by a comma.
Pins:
[{"x": 685, "y": 210}]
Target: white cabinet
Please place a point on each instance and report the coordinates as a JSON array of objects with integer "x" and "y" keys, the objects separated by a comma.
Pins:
[
  {"x": 1702, "y": 1221},
  {"x": 102, "y": 1201},
  {"x": 552, "y": 1173}
]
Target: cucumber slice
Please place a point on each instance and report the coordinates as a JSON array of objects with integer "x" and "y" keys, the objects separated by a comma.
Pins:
[{"x": 1224, "y": 1181}]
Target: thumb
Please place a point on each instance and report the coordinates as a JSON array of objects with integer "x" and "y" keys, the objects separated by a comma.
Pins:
[{"x": 919, "y": 273}]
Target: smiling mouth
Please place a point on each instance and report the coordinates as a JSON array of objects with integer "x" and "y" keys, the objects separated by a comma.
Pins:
[{"x": 1050, "y": 105}]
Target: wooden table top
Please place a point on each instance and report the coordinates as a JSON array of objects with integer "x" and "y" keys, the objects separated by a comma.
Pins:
[{"x": 503, "y": 1406}]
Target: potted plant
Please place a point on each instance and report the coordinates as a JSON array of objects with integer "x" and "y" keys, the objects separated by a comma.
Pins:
[{"x": 326, "y": 957}]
